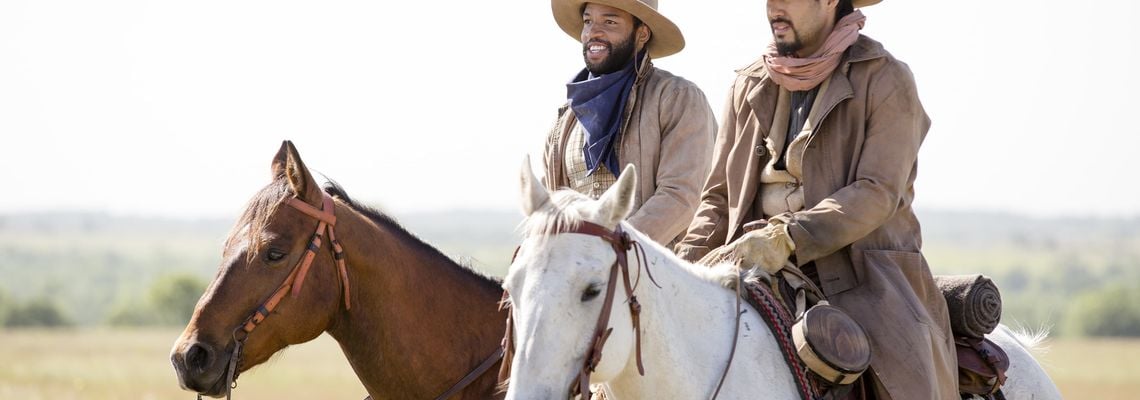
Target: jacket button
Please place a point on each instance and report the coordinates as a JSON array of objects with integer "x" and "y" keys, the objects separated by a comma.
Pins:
[
  {"x": 597, "y": 185},
  {"x": 761, "y": 150}
]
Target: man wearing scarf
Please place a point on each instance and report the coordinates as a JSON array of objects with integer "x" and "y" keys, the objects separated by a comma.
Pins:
[
  {"x": 622, "y": 110},
  {"x": 820, "y": 140}
]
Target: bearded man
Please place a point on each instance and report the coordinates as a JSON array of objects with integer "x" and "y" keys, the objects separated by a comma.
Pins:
[
  {"x": 820, "y": 139},
  {"x": 622, "y": 110}
]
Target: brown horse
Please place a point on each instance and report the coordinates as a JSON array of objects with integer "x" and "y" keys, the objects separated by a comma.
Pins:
[{"x": 413, "y": 323}]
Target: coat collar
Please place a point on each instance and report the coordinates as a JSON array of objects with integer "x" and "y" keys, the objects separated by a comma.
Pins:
[{"x": 766, "y": 90}]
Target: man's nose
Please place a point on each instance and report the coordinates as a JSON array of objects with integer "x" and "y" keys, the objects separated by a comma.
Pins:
[
  {"x": 592, "y": 31},
  {"x": 775, "y": 9}
]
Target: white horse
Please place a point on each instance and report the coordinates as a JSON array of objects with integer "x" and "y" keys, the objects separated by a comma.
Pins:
[{"x": 687, "y": 323}]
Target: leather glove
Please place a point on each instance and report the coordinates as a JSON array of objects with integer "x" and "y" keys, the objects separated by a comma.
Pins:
[{"x": 769, "y": 247}]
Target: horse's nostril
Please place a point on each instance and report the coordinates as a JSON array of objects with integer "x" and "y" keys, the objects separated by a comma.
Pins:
[{"x": 198, "y": 357}]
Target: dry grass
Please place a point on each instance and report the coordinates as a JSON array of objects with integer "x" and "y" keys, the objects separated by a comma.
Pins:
[
  {"x": 1095, "y": 368},
  {"x": 133, "y": 364}
]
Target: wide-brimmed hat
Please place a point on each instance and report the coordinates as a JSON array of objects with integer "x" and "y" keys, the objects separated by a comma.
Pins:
[
  {"x": 665, "y": 40},
  {"x": 863, "y": 3}
]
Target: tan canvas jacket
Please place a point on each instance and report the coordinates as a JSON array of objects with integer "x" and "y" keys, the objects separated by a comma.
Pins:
[
  {"x": 668, "y": 136},
  {"x": 857, "y": 226}
]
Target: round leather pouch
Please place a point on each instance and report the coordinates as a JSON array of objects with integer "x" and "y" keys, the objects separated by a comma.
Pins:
[{"x": 832, "y": 344}]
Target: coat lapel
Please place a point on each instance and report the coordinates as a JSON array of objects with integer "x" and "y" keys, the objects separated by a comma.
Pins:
[{"x": 762, "y": 100}]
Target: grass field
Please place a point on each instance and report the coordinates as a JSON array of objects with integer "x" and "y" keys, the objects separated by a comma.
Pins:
[{"x": 134, "y": 364}]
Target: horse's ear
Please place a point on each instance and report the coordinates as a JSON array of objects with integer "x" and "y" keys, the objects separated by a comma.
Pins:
[
  {"x": 279, "y": 160},
  {"x": 617, "y": 201},
  {"x": 288, "y": 165},
  {"x": 534, "y": 195}
]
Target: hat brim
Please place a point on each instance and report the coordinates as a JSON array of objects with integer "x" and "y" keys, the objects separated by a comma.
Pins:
[
  {"x": 665, "y": 39},
  {"x": 864, "y": 3}
]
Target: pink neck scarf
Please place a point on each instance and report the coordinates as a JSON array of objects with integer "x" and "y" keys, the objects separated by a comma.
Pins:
[{"x": 798, "y": 74}]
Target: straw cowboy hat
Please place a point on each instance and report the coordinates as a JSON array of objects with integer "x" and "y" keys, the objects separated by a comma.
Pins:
[
  {"x": 864, "y": 3},
  {"x": 666, "y": 38}
]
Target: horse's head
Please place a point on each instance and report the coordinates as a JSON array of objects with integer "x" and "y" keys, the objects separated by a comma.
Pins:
[
  {"x": 259, "y": 280},
  {"x": 558, "y": 284}
]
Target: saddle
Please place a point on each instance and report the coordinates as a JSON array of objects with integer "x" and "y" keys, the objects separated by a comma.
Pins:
[
  {"x": 981, "y": 367},
  {"x": 825, "y": 348},
  {"x": 830, "y": 350}
]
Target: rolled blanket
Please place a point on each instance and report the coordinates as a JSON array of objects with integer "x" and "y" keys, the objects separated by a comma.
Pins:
[{"x": 974, "y": 303}]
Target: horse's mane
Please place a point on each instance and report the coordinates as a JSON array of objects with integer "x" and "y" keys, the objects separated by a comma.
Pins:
[
  {"x": 265, "y": 202},
  {"x": 337, "y": 192}
]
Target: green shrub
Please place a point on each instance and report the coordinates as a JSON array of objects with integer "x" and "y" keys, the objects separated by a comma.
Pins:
[
  {"x": 173, "y": 297},
  {"x": 39, "y": 312},
  {"x": 1113, "y": 311},
  {"x": 132, "y": 314},
  {"x": 4, "y": 307}
]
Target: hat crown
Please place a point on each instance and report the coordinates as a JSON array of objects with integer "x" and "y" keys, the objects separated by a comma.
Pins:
[{"x": 666, "y": 38}]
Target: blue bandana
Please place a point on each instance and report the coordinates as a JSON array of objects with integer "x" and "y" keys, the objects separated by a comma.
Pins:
[{"x": 599, "y": 103}]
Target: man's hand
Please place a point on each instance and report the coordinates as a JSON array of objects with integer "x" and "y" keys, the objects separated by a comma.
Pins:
[{"x": 769, "y": 247}]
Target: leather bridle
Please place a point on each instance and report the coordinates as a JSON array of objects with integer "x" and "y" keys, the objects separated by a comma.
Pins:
[
  {"x": 326, "y": 221},
  {"x": 621, "y": 243}
]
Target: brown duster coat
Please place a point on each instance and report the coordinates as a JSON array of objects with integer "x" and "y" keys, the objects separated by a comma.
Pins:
[
  {"x": 668, "y": 136},
  {"x": 858, "y": 226}
]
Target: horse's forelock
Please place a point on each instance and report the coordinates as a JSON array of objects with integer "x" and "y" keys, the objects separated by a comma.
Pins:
[
  {"x": 556, "y": 215},
  {"x": 256, "y": 216}
]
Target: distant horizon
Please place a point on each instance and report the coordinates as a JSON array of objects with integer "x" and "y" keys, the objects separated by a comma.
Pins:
[{"x": 920, "y": 211}]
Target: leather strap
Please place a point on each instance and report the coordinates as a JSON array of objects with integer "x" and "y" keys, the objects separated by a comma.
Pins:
[
  {"x": 621, "y": 243},
  {"x": 735, "y": 337},
  {"x": 326, "y": 220},
  {"x": 474, "y": 374}
]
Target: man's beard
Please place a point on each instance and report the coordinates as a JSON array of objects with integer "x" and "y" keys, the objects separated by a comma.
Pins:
[
  {"x": 621, "y": 53},
  {"x": 788, "y": 49}
]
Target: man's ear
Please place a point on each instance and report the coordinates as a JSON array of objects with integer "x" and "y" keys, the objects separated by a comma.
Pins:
[
  {"x": 644, "y": 34},
  {"x": 831, "y": 5}
]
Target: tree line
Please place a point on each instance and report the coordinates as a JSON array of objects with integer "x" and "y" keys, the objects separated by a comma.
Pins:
[{"x": 169, "y": 301}]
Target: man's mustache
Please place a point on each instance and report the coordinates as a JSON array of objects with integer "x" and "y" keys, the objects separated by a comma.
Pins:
[{"x": 601, "y": 42}]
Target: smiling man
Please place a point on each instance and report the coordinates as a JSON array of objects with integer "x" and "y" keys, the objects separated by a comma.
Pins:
[
  {"x": 820, "y": 140},
  {"x": 622, "y": 110}
]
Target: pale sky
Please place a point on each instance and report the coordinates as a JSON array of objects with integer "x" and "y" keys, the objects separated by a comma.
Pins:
[{"x": 164, "y": 108}]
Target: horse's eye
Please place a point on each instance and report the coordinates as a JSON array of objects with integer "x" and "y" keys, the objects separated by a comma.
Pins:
[
  {"x": 591, "y": 292},
  {"x": 274, "y": 255}
]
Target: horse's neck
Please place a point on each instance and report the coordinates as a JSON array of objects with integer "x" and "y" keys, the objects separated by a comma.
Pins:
[
  {"x": 418, "y": 322},
  {"x": 688, "y": 326}
]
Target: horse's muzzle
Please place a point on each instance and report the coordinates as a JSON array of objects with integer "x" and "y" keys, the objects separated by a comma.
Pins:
[{"x": 200, "y": 367}]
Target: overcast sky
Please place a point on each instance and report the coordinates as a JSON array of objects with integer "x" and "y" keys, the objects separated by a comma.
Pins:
[{"x": 176, "y": 109}]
